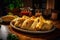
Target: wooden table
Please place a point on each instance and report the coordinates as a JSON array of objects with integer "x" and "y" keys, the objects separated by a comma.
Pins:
[{"x": 48, "y": 36}]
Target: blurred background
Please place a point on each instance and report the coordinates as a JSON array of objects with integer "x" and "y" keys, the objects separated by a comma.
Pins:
[{"x": 14, "y": 6}]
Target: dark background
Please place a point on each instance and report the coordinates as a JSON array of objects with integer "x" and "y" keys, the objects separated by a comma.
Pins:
[
  {"x": 3, "y": 6},
  {"x": 57, "y": 7},
  {"x": 41, "y": 3}
]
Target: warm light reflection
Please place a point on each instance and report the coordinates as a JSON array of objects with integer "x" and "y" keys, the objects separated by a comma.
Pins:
[
  {"x": 44, "y": 20},
  {"x": 50, "y": 4},
  {"x": 48, "y": 21}
]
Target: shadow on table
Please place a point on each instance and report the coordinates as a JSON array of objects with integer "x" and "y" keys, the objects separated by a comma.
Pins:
[{"x": 55, "y": 35}]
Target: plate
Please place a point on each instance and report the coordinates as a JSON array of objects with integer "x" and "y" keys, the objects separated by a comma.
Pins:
[
  {"x": 34, "y": 32},
  {"x": 7, "y": 19}
]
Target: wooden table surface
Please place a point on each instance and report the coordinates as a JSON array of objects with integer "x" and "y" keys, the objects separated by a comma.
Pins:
[{"x": 48, "y": 36}]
